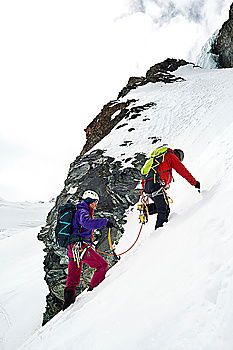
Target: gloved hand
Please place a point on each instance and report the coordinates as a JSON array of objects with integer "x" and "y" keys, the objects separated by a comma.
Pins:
[
  {"x": 109, "y": 224},
  {"x": 97, "y": 233},
  {"x": 198, "y": 186}
]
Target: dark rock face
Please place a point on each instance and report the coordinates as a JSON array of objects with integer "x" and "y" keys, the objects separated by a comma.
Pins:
[
  {"x": 157, "y": 73},
  {"x": 223, "y": 46},
  {"x": 169, "y": 65},
  {"x": 116, "y": 187}
]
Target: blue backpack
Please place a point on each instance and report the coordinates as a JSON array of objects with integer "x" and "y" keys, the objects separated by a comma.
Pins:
[{"x": 63, "y": 229}]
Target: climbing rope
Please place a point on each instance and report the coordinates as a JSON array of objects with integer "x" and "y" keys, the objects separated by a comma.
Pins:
[
  {"x": 143, "y": 219},
  {"x": 109, "y": 239},
  {"x": 111, "y": 247}
]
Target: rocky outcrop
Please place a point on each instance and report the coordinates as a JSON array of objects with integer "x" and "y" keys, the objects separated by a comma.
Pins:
[
  {"x": 156, "y": 73},
  {"x": 169, "y": 65},
  {"x": 115, "y": 184},
  {"x": 114, "y": 111},
  {"x": 223, "y": 45},
  {"x": 111, "y": 114}
]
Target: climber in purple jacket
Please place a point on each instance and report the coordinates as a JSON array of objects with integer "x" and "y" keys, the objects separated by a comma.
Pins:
[{"x": 83, "y": 226}]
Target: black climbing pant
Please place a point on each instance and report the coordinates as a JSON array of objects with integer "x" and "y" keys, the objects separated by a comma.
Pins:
[
  {"x": 162, "y": 207},
  {"x": 159, "y": 196}
]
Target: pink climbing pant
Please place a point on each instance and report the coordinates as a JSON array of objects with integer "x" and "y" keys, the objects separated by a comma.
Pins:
[{"x": 92, "y": 259}]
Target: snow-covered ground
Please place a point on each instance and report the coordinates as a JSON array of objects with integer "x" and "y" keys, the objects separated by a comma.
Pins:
[
  {"x": 18, "y": 216},
  {"x": 23, "y": 289},
  {"x": 173, "y": 290}
]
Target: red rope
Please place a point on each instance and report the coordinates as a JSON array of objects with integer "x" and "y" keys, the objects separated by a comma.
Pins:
[
  {"x": 133, "y": 243},
  {"x": 146, "y": 200},
  {"x": 127, "y": 249}
]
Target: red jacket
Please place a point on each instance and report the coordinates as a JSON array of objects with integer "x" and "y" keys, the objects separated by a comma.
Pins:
[{"x": 171, "y": 161}]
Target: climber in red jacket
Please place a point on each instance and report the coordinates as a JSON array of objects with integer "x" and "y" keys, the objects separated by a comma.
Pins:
[{"x": 155, "y": 189}]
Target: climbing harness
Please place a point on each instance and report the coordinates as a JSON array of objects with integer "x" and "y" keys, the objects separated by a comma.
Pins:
[
  {"x": 78, "y": 251},
  {"x": 162, "y": 191},
  {"x": 156, "y": 193}
]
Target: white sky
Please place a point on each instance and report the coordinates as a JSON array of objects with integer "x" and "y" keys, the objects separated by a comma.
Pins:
[{"x": 61, "y": 61}]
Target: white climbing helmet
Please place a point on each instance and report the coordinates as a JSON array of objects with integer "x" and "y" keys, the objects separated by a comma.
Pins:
[{"x": 91, "y": 196}]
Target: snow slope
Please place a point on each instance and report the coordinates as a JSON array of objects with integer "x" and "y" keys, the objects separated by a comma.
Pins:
[
  {"x": 174, "y": 290},
  {"x": 23, "y": 289},
  {"x": 18, "y": 216}
]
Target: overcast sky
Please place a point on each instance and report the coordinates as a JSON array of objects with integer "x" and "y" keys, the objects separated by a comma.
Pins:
[{"x": 61, "y": 61}]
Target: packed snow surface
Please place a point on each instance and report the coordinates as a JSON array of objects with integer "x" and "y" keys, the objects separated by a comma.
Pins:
[
  {"x": 173, "y": 290},
  {"x": 23, "y": 289}
]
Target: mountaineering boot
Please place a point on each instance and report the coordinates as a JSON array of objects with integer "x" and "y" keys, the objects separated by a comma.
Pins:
[
  {"x": 159, "y": 223},
  {"x": 158, "y": 226},
  {"x": 90, "y": 289},
  {"x": 69, "y": 297}
]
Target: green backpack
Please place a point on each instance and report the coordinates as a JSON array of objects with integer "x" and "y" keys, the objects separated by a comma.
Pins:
[{"x": 149, "y": 169}]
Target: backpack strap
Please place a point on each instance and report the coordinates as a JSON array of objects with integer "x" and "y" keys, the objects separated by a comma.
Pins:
[{"x": 156, "y": 158}]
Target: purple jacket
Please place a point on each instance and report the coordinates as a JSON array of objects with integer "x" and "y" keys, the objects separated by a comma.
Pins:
[{"x": 82, "y": 217}]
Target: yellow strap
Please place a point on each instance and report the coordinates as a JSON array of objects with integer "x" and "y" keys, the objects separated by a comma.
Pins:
[
  {"x": 170, "y": 200},
  {"x": 109, "y": 238},
  {"x": 166, "y": 197}
]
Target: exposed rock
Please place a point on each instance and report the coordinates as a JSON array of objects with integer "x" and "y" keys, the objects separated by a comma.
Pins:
[
  {"x": 121, "y": 126},
  {"x": 139, "y": 109},
  {"x": 114, "y": 111},
  {"x": 133, "y": 83},
  {"x": 104, "y": 122},
  {"x": 169, "y": 65},
  {"x": 166, "y": 78},
  {"x": 126, "y": 143},
  {"x": 154, "y": 139},
  {"x": 223, "y": 45},
  {"x": 107, "y": 119},
  {"x": 157, "y": 73},
  {"x": 116, "y": 187}
]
